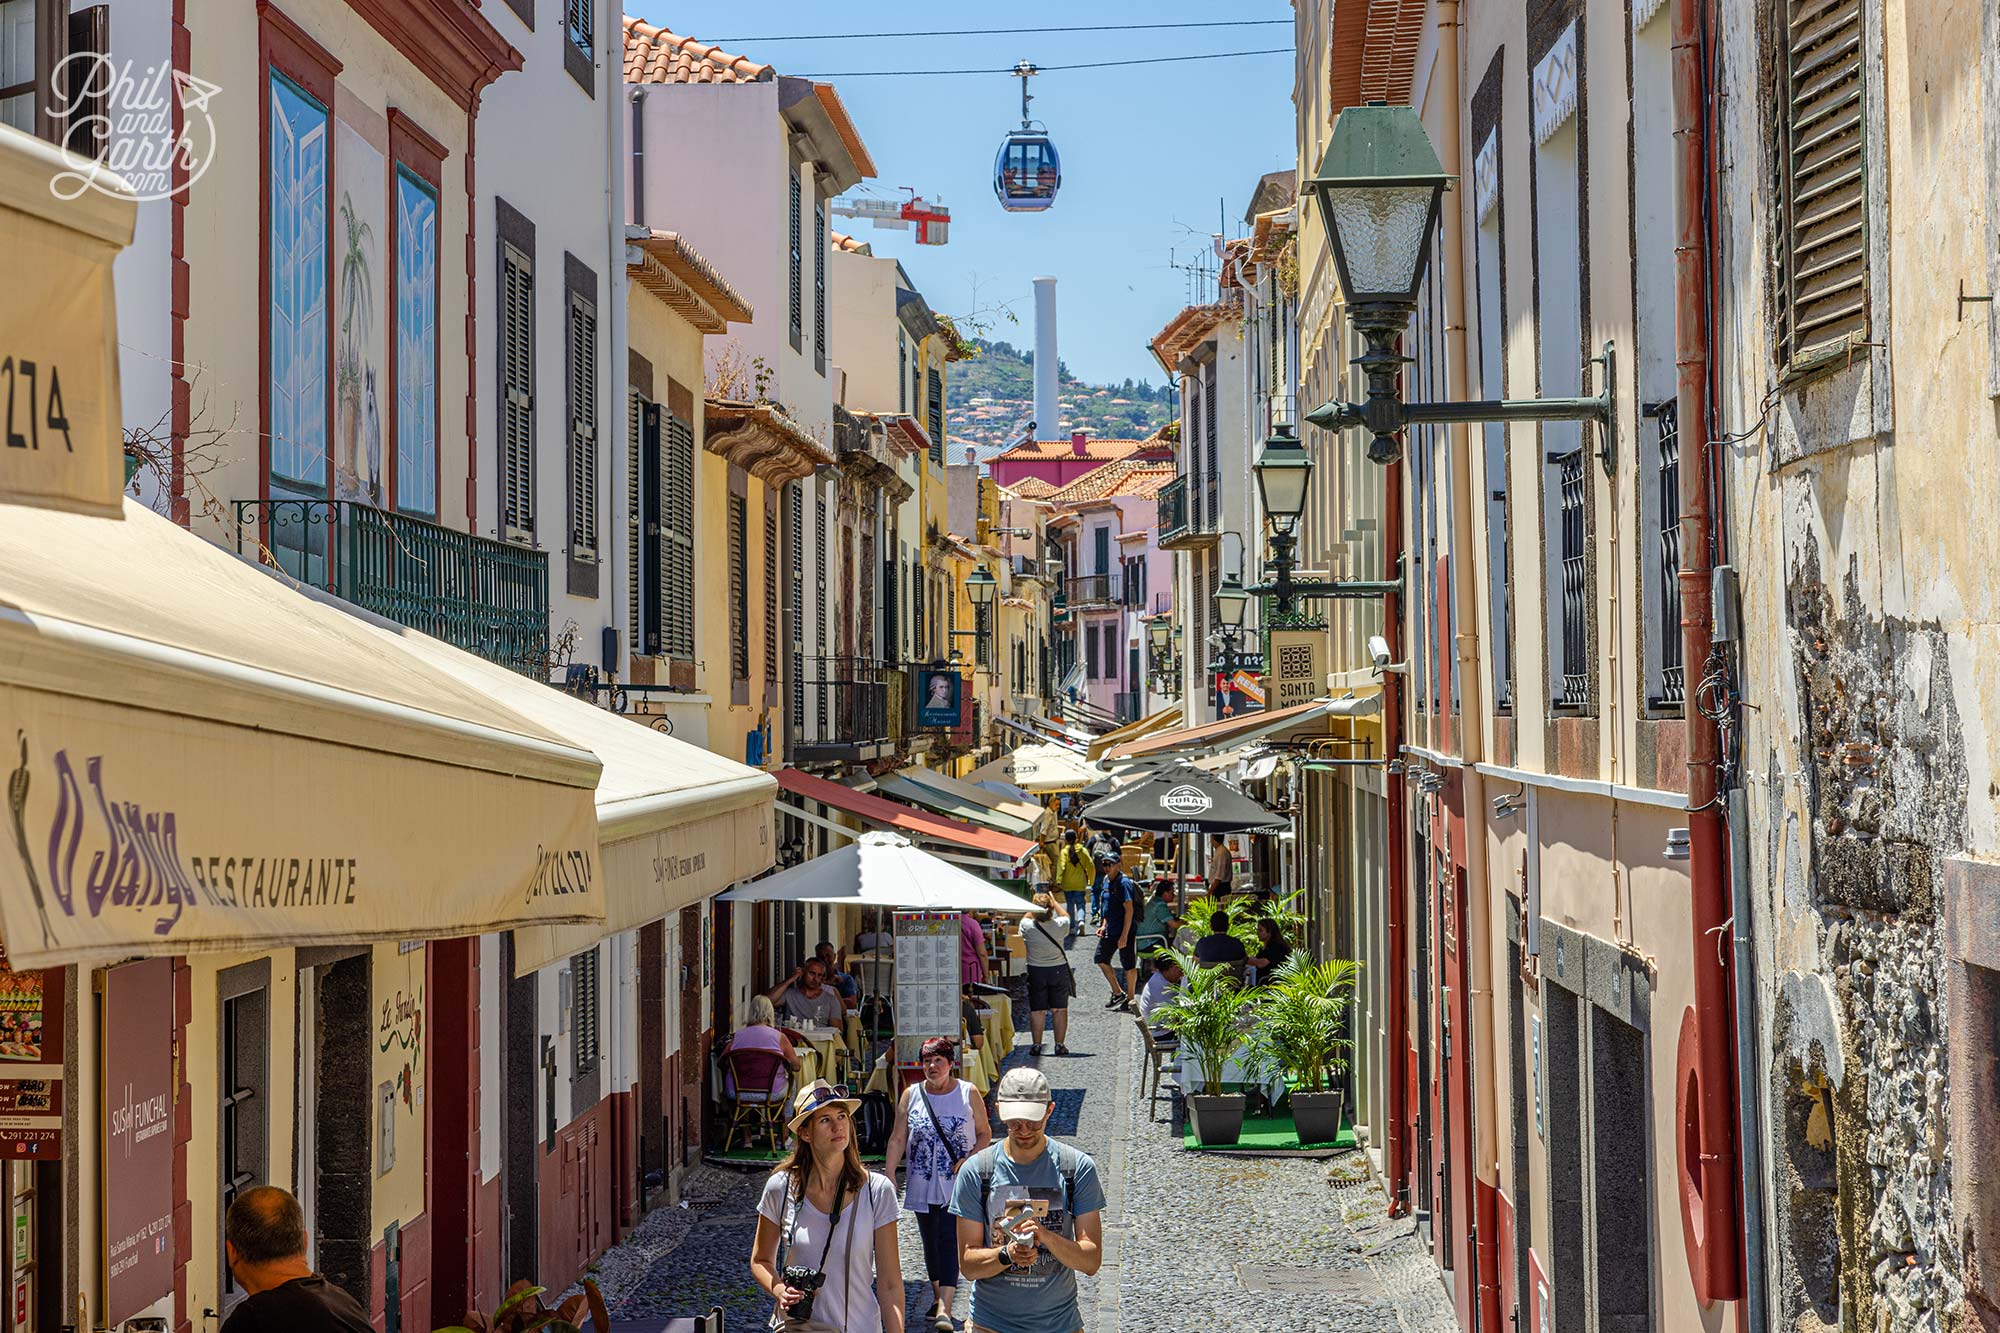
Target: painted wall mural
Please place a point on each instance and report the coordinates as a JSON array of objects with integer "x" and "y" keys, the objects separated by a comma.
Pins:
[
  {"x": 360, "y": 165},
  {"x": 416, "y": 345}
]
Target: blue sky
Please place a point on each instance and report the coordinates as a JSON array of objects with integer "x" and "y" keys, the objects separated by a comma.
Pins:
[{"x": 1148, "y": 152}]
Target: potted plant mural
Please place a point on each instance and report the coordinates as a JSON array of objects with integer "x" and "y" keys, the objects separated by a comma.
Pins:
[
  {"x": 357, "y": 318},
  {"x": 1300, "y": 1033},
  {"x": 1207, "y": 1016}
]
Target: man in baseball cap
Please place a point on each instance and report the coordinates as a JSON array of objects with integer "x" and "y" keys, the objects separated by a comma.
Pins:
[{"x": 1030, "y": 1218}]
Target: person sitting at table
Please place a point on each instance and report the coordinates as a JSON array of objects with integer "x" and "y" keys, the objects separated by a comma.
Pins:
[
  {"x": 1273, "y": 950},
  {"x": 1219, "y": 946},
  {"x": 1155, "y": 924},
  {"x": 843, "y": 981},
  {"x": 806, "y": 997},
  {"x": 760, "y": 1033},
  {"x": 1159, "y": 991},
  {"x": 939, "y": 1123}
]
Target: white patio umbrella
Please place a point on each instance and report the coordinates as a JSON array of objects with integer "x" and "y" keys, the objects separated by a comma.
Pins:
[
  {"x": 882, "y": 870},
  {"x": 1039, "y": 768}
]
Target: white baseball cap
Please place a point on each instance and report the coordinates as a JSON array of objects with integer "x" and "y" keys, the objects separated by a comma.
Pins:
[{"x": 1023, "y": 1094}]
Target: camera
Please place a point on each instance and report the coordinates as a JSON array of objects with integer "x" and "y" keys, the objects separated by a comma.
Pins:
[
  {"x": 807, "y": 1280},
  {"x": 1378, "y": 652}
]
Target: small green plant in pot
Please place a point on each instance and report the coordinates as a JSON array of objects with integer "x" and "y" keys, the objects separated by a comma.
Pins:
[
  {"x": 1300, "y": 1032},
  {"x": 1206, "y": 1015}
]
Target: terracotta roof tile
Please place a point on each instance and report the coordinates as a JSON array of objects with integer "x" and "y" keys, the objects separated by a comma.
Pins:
[
  {"x": 1127, "y": 476},
  {"x": 1187, "y": 330},
  {"x": 1096, "y": 451},
  {"x": 655, "y": 55},
  {"x": 842, "y": 241},
  {"x": 1030, "y": 488}
]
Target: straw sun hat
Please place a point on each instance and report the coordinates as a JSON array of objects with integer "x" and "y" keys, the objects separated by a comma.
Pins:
[{"x": 815, "y": 1097}]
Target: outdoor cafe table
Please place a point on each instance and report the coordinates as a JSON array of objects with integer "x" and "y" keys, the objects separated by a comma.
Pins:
[
  {"x": 976, "y": 1067},
  {"x": 830, "y": 1051},
  {"x": 997, "y": 1021}
]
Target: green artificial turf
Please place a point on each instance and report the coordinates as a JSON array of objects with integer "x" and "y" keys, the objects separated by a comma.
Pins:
[{"x": 1269, "y": 1133}]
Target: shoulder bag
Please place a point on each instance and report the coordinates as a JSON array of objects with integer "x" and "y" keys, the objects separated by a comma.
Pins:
[{"x": 1069, "y": 966}]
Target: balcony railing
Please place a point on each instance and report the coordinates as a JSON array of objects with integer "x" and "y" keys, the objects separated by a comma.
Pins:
[
  {"x": 487, "y": 597},
  {"x": 1090, "y": 590},
  {"x": 853, "y": 708},
  {"x": 1173, "y": 519}
]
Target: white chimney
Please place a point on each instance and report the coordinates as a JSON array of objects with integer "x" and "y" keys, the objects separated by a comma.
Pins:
[{"x": 1048, "y": 406}]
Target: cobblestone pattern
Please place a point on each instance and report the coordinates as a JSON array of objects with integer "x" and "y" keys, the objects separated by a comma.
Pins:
[{"x": 1192, "y": 1242}]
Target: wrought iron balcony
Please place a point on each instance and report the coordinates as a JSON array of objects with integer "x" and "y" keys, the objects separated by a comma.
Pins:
[
  {"x": 1183, "y": 522},
  {"x": 1173, "y": 519},
  {"x": 485, "y": 596},
  {"x": 1091, "y": 590},
  {"x": 850, "y": 709}
]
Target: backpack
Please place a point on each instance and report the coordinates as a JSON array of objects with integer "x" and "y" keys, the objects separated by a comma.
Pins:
[
  {"x": 1068, "y": 1164},
  {"x": 877, "y": 1018},
  {"x": 872, "y": 1119}
]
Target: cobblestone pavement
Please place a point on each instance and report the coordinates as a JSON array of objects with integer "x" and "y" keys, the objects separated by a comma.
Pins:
[{"x": 1192, "y": 1241}]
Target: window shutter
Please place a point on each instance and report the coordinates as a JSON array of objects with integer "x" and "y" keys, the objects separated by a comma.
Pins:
[
  {"x": 795, "y": 542},
  {"x": 676, "y": 557},
  {"x": 582, "y": 429},
  {"x": 517, "y": 410},
  {"x": 1822, "y": 242},
  {"x": 637, "y": 552},
  {"x": 583, "y": 1015},
  {"x": 581, "y": 24},
  {"x": 798, "y": 256},
  {"x": 819, "y": 285},
  {"x": 771, "y": 593},
  {"x": 739, "y": 595},
  {"x": 934, "y": 404}
]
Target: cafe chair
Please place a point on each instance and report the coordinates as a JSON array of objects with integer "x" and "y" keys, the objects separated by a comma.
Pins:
[
  {"x": 1157, "y": 1053},
  {"x": 758, "y": 1101}
]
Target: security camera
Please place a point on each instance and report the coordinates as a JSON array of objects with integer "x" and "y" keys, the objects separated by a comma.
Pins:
[{"x": 1378, "y": 650}]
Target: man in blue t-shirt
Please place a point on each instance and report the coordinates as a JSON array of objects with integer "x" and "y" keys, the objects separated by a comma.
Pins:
[
  {"x": 1030, "y": 1218},
  {"x": 1118, "y": 944}
]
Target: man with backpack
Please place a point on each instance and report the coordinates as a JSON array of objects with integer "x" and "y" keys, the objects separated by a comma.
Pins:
[
  {"x": 1030, "y": 1218},
  {"x": 1117, "y": 945}
]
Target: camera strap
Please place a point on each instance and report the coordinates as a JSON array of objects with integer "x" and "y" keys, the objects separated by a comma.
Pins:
[{"x": 791, "y": 1233}]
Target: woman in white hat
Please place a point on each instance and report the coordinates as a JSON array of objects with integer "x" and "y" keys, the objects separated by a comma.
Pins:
[{"x": 826, "y": 1227}]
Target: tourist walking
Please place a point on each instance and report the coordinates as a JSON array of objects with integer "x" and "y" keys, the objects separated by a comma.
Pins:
[
  {"x": 1050, "y": 980},
  {"x": 939, "y": 1123},
  {"x": 1073, "y": 868},
  {"x": 264, "y": 1242},
  {"x": 1116, "y": 945},
  {"x": 1030, "y": 1218},
  {"x": 826, "y": 1227}
]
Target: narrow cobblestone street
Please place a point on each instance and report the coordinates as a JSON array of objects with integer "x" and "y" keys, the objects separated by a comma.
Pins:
[{"x": 1192, "y": 1241}]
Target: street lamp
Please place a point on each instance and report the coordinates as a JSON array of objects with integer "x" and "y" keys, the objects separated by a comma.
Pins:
[
  {"x": 1284, "y": 471},
  {"x": 1378, "y": 190},
  {"x": 980, "y": 586}
]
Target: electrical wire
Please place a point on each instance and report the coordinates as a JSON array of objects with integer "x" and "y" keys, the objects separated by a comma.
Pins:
[
  {"x": 998, "y": 32},
  {"x": 1043, "y": 69}
]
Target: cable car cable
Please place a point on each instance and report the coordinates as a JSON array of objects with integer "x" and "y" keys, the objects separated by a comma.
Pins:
[
  {"x": 1045, "y": 69},
  {"x": 994, "y": 32}
]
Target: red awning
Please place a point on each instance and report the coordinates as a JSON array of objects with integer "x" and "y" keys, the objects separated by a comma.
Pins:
[{"x": 905, "y": 818}]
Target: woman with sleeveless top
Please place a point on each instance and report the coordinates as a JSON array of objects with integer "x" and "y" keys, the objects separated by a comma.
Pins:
[
  {"x": 760, "y": 1032},
  {"x": 825, "y": 1214},
  {"x": 939, "y": 1123}
]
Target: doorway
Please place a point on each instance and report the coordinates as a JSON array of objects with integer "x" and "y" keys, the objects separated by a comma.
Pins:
[
  {"x": 653, "y": 1114},
  {"x": 333, "y": 1167},
  {"x": 1620, "y": 1179}
]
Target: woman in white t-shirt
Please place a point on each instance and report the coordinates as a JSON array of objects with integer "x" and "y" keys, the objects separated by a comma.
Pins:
[{"x": 825, "y": 1212}]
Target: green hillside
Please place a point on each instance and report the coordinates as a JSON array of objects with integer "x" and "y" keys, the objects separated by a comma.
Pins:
[{"x": 990, "y": 399}]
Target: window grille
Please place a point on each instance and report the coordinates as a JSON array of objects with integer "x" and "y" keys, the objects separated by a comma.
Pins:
[
  {"x": 1575, "y": 584},
  {"x": 1672, "y": 676}
]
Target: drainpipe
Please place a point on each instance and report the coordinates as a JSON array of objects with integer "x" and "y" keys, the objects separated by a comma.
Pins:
[
  {"x": 1752, "y": 1312},
  {"x": 1705, "y": 1102},
  {"x": 1395, "y": 1150},
  {"x": 638, "y": 157}
]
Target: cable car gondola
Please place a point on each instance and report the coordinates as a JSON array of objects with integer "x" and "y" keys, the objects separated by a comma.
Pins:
[{"x": 1027, "y": 171}]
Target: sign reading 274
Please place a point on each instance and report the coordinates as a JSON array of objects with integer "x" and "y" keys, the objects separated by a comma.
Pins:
[{"x": 28, "y": 405}]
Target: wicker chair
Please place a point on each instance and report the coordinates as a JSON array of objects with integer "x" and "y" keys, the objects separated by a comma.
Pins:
[
  {"x": 1157, "y": 1053},
  {"x": 758, "y": 1101}
]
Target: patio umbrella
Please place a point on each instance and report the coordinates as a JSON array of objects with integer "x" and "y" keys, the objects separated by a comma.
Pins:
[
  {"x": 882, "y": 870},
  {"x": 1183, "y": 799},
  {"x": 1039, "y": 768}
]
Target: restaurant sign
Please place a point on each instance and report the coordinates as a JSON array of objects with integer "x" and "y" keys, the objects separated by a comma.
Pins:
[
  {"x": 1295, "y": 676},
  {"x": 31, "y": 1063},
  {"x": 136, "y": 1136},
  {"x": 938, "y": 690}
]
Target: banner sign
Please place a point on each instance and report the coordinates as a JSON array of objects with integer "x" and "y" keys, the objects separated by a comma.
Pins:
[
  {"x": 1296, "y": 676},
  {"x": 938, "y": 691},
  {"x": 136, "y": 1136},
  {"x": 31, "y": 1063}
]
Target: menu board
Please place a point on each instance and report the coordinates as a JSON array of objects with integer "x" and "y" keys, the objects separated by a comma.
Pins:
[
  {"x": 31, "y": 1063},
  {"x": 927, "y": 981}
]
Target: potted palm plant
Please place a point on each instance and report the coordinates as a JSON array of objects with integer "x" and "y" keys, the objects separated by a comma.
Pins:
[
  {"x": 1207, "y": 1015},
  {"x": 1300, "y": 1032}
]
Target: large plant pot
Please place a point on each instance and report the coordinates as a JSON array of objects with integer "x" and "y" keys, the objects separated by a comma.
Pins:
[
  {"x": 1217, "y": 1120},
  {"x": 1316, "y": 1116}
]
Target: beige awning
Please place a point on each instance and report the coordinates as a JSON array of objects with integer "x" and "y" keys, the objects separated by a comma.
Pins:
[
  {"x": 676, "y": 824},
  {"x": 200, "y": 757},
  {"x": 1040, "y": 768}
]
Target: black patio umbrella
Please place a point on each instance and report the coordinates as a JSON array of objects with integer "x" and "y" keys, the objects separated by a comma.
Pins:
[{"x": 1183, "y": 799}]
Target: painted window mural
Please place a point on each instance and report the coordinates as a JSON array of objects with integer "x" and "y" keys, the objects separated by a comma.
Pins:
[
  {"x": 416, "y": 345},
  {"x": 298, "y": 285},
  {"x": 298, "y": 337}
]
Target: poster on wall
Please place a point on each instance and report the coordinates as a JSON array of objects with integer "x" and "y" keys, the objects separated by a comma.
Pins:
[
  {"x": 927, "y": 977},
  {"x": 31, "y": 1063},
  {"x": 136, "y": 1137},
  {"x": 1295, "y": 676}
]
